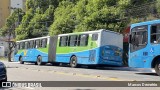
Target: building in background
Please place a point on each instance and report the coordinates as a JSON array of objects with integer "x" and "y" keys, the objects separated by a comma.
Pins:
[
  {"x": 4, "y": 47},
  {"x": 6, "y": 8},
  {"x": 17, "y": 4}
]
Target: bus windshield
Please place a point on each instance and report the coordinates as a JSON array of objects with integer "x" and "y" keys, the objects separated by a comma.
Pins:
[{"x": 138, "y": 38}]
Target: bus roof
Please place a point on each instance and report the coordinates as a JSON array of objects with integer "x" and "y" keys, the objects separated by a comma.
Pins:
[
  {"x": 87, "y": 32},
  {"x": 33, "y": 39},
  {"x": 145, "y": 23}
]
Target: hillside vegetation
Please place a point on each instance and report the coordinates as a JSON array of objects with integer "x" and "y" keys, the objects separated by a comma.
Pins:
[{"x": 52, "y": 17}]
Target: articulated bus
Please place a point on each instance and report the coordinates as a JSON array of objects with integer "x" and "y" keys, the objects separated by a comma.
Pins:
[
  {"x": 100, "y": 47},
  {"x": 144, "y": 45}
]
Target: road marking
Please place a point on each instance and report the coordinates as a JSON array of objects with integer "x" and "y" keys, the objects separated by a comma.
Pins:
[
  {"x": 78, "y": 74},
  {"x": 90, "y": 76},
  {"x": 114, "y": 79}
]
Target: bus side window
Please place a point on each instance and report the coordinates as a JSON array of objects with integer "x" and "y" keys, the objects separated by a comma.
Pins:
[
  {"x": 44, "y": 43},
  {"x": 83, "y": 40},
  {"x": 26, "y": 45},
  {"x": 40, "y": 43},
  {"x": 73, "y": 40},
  {"x": 63, "y": 41},
  {"x": 29, "y": 45},
  {"x": 37, "y": 43},
  {"x": 32, "y": 44},
  {"x": 94, "y": 37},
  {"x": 155, "y": 34},
  {"x": 22, "y": 45},
  {"x": 17, "y": 46},
  {"x": 78, "y": 40}
]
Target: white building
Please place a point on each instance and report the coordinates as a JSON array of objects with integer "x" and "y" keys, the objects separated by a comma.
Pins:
[{"x": 17, "y": 4}]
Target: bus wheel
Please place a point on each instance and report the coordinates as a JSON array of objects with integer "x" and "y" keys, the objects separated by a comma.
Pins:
[
  {"x": 73, "y": 62},
  {"x": 21, "y": 60},
  {"x": 39, "y": 60},
  {"x": 157, "y": 68}
]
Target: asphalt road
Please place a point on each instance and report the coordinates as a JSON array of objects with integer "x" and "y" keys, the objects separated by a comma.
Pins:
[
  {"x": 31, "y": 72},
  {"x": 107, "y": 74}
]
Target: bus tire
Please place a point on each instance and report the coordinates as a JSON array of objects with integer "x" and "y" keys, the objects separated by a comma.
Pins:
[
  {"x": 73, "y": 62},
  {"x": 157, "y": 67},
  {"x": 21, "y": 60},
  {"x": 39, "y": 61}
]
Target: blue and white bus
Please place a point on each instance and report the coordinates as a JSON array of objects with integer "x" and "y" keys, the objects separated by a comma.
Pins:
[
  {"x": 100, "y": 47},
  {"x": 144, "y": 47}
]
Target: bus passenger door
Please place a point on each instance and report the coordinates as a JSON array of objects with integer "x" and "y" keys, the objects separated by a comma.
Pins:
[
  {"x": 93, "y": 45},
  {"x": 138, "y": 51},
  {"x": 136, "y": 59}
]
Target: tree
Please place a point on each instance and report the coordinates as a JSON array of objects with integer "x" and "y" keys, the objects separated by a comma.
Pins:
[
  {"x": 39, "y": 16},
  {"x": 63, "y": 19},
  {"x": 98, "y": 14},
  {"x": 22, "y": 29},
  {"x": 9, "y": 30}
]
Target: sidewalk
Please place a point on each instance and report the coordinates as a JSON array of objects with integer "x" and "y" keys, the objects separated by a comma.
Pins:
[{"x": 148, "y": 70}]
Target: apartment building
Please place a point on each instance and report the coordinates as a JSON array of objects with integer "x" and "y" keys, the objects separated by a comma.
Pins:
[{"x": 7, "y": 7}]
